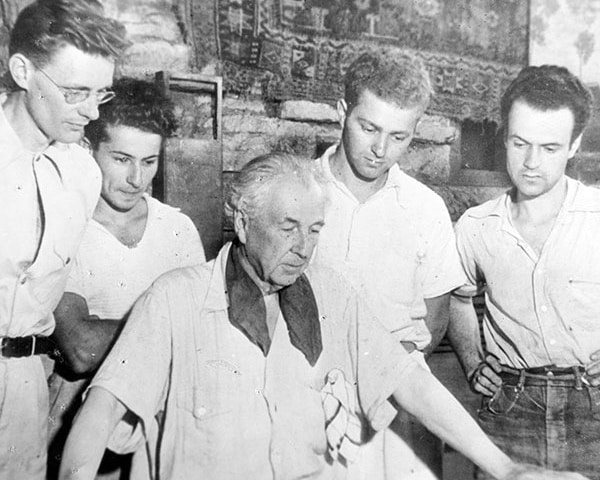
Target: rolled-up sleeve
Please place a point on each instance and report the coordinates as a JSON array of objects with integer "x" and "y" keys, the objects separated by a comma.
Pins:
[{"x": 465, "y": 238}]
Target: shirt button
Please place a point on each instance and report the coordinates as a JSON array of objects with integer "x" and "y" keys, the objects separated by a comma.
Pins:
[
  {"x": 544, "y": 308},
  {"x": 200, "y": 412},
  {"x": 23, "y": 280}
]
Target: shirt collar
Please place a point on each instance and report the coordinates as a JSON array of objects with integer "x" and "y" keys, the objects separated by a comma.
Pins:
[
  {"x": 10, "y": 143},
  {"x": 216, "y": 297},
  {"x": 578, "y": 199},
  {"x": 581, "y": 199},
  {"x": 297, "y": 302},
  {"x": 396, "y": 178}
]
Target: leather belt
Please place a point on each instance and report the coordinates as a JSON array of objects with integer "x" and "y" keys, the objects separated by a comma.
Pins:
[
  {"x": 25, "y": 346},
  {"x": 544, "y": 376}
]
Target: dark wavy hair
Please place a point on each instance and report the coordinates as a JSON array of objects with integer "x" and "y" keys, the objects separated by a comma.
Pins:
[
  {"x": 47, "y": 25},
  {"x": 394, "y": 76},
  {"x": 549, "y": 87},
  {"x": 138, "y": 104}
]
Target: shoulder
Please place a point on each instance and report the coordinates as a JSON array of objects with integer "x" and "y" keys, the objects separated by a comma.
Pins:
[
  {"x": 586, "y": 197},
  {"x": 168, "y": 214},
  {"x": 79, "y": 161},
  {"x": 419, "y": 193},
  {"x": 329, "y": 286},
  {"x": 79, "y": 172},
  {"x": 184, "y": 281}
]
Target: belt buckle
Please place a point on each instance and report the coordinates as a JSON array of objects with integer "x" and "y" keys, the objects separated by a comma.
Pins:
[
  {"x": 33, "y": 340},
  {"x": 3, "y": 342}
]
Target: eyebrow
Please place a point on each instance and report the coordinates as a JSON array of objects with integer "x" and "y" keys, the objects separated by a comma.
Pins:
[
  {"x": 296, "y": 222},
  {"x": 129, "y": 155},
  {"x": 121, "y": 153},
  {"x": 549, "y": 144},
  {"x": 377, "y": 127},
  {"x": 85, "y": 89}
]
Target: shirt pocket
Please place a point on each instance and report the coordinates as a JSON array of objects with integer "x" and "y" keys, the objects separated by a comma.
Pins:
[
  {"x": 579, "y": 300},
  {"x": 211, "y": 394},
  {"x": 205, "y": 416}
]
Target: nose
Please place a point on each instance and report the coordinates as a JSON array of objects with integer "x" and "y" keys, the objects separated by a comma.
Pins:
[
  {"x": 302, "y": 245},
  {"x": 89, "y": 108},
  {"x": 379, "y": 145},
  {"x": 532, "y": 158},
  {"x": 134, "y": 175}
]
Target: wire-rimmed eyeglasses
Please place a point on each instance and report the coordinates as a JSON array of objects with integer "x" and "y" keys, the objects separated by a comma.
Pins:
[{"x": 78, "y": 95}]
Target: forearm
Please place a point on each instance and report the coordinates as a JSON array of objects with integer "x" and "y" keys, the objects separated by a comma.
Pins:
[
  {"x": 89, "y": 435},
  {"x": 425, "y": 397},
  {"x": 436, "y": 319},
  {"x": 89, "y": 344},
  {"x": 463, "y": 333},
  {"x": 83, "y": 339}
]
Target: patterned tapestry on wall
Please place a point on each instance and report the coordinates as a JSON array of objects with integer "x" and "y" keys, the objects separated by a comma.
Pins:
[{"x": 299, "y": 49}]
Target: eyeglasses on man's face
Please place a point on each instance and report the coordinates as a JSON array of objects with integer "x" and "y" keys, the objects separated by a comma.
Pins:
[{"x": 78, "y": 95}]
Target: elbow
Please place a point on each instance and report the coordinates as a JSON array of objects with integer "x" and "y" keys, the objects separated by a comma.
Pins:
[{"x": 83, "y": 362}]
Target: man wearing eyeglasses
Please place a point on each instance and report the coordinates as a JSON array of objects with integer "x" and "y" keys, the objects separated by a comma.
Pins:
[{"x": 62, "y": 55}]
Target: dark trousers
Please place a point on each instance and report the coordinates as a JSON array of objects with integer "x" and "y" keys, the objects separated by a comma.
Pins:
[{"x": 554, "y": 423}]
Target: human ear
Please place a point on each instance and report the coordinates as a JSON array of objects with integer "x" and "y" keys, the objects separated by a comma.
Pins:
[
  {"x": 240, "y": 225},
  {"x": 342, "y": 111},
  {"x": 20, "y": 69}
]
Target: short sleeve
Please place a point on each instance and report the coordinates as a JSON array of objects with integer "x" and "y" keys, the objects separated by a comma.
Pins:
[
  {"x": 443, "y": 272},
  {"x": 136, "y": 370},
  {"x": 75, "y": 281},
  {"x": 381, "y": 365},
  {"x": 192, "y": 251},
  {"x": 466, "y": 236}
]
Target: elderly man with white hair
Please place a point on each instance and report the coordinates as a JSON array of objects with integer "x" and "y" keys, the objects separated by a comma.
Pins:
[{"x": 263, "y": 366}]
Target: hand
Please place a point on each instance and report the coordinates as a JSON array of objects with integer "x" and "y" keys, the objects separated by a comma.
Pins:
[
  {"x": 592, "y": 369},
  {"x": 533, "y": 472},
  {"x": 485, "y": 379}
]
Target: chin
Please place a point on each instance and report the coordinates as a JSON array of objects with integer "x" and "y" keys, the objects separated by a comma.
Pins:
[
  {"x": 71, "y": 137},
  {"x": 122, "y": 207},
  {"x": 284, "y": 281}
]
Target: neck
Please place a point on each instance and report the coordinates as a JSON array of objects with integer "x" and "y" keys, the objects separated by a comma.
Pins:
[
  {"x": 17, "y": 115},
  {"x": 109, "y": 217},
  {"x": 543, "y": 207},
  {"x": 361, "y": 188},
  {"x": 265, "y": 287}
]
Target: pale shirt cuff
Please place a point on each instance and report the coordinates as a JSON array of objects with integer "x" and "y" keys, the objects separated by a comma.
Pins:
[
  {"x": 466, "y": 290},
  {"x": 126, "y": 437}
]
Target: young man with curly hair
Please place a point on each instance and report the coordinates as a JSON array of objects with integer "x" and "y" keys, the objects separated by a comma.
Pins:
[
  {"x": 391, "y": 236},
  {"x": 131, "y": 240}
]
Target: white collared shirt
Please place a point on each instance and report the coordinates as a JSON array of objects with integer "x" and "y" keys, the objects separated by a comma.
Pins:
[
  {"x": 540, "y": 310},
  {"x": 68, "y": 179},
  {"x": 396, "y": 249},
  {"x": 231, "y": 412}
]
